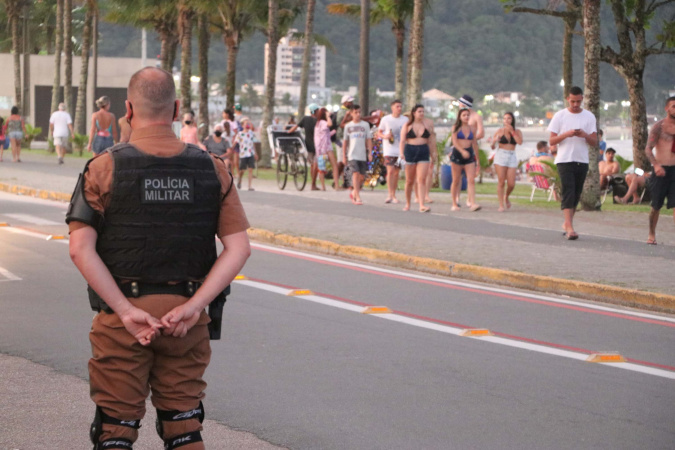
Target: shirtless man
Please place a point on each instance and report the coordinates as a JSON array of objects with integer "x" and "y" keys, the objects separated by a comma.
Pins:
[
  {"x": 475, "y": 119},
  {"x": 608, "y": 167},
  {"x": 662, "y": 181}
]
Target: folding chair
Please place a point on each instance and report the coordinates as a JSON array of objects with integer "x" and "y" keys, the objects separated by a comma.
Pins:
[{"x": 540, "y": 181}]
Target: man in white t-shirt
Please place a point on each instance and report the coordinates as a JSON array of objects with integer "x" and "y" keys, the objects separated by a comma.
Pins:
[
  {"x": 60, "y": 123},
  {"x": 358, "y": 138},
  {"x": 390, "y": 129},
  {"x": 573, "y": 129}
]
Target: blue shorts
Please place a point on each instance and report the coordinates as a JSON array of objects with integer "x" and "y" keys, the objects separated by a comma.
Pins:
[
  {"x": 101, "y": 143},
  {"x": 416, "y": 153}
]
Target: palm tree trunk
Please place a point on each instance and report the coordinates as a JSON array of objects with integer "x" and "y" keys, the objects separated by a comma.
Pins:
[
  {"x": 16, "y": 50},
  {"x": 364, "y": 56},
  {"x": 270, "y": 82},
  {"x": 399, "y": 33},
  {"x": 590, "y": 198},
  {"x": 307, "y": 52},
  {"x": 81, "y": 108},
  {"x": 417, "y": 50},
  {"x": 638, "y": 114},
  {"x": 68, "y": 50},
  {"x": 185, "y": 16},
  {"x": 165, "y": 50},
  {"x": 232, "y": 44},
  {"x": 94, "y": 51},
  {"x": 567, "y": 56},
  {"x": 204, "y": 41},
  {"x": 58, "y": 48},
  {"x": 408, "y": 75}
]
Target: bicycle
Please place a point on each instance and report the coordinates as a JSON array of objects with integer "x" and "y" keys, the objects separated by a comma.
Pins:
[{"x": 291, "y": 160}]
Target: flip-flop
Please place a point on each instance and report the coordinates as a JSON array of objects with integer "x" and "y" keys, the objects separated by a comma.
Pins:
[
  {"x": 357, "y": 202},
  {"x": 651, "y": 242},
  {"x": 425, "y": 210},
  {"x": 388, "y": 200},
  {"x": 475, "y": 208},
  {"x": 351, "y": 195},
  {"x": 571, "y": 237}
]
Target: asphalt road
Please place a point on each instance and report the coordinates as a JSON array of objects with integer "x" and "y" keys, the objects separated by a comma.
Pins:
[{"x": 312, "y": 371}]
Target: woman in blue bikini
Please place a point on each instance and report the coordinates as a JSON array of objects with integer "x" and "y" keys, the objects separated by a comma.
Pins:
[{"x": 463, "y": 157}]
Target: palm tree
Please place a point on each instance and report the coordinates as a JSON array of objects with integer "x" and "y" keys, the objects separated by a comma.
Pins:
[
  {"x": 304, "y": 77},
  {"x": 13, "y": 9},
  {"x": 162, "y": 16},
  {"x": 270, "y": 81},
  {"x": 68, "y": 50},
  {"x": 58, "y": 48},
  {"x": 81, "y": 108},
  {"x": 238, "y": 21},
  {"x": 364, "y": 55},
  {"x": 398, "y": 12},
  {"x": 185, "y": 17},
  {"x": 417, "y": 49},
  {"x": 204, "y": 41}
]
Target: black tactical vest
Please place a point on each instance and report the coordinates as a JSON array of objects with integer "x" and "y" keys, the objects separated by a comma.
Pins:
[{"x": 161, "y": 223}]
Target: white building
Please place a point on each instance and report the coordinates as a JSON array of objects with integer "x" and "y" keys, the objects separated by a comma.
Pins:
[{"x": 289, "y": 70}]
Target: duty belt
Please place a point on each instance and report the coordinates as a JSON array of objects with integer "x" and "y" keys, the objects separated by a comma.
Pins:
[{"x": 136, "y": 289}]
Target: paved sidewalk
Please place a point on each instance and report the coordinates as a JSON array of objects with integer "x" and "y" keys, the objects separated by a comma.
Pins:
[
  {"x": 35, "y": 396},
  {"x": 525, "y": 239}
]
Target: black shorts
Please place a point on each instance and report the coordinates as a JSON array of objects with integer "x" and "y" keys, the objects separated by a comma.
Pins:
[
  {"x": 358, "y": 166},
  {"x": 416, "y": 153},
  {"x": 572, "y": 177},
  {"x": 457, "y": 158},
  {"x": 662, "y": 187},
  {"x": 247, "y": 163}
]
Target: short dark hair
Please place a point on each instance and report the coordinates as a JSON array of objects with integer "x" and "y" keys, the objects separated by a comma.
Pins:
[
  {"x": 600, "y": 132},
  {"x": 576, "y": 90},
  {"x": 670, "y": 99},
  {"x": 395, "y": 102},
  {"x": 355, "y": 107},
  {"x": 541, "y": 144},
  {"x": 610, "y": 150},
  {"x": 15, "y": 110}
]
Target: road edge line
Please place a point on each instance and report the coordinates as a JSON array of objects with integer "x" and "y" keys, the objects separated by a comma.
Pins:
[
  {"x": 32, "y": 192},
  {"x": 591, "y": 291}
]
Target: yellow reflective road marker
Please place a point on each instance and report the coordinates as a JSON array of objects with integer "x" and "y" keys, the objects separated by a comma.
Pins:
[
  {"x": 55, "y": 237},
  {"x": 606, "y": 357},
  {"x": 296, "y": 292},
  {"x": 376, "y": 310},
  {"x": 476, "y": 332},
  {"x": 4, "y": 224},
  {"x": 241, "y": 277}
]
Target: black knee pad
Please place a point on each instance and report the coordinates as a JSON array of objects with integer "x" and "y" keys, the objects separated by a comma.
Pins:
[
  {"x": 183, "y": 439},
  {"x": 176, "y": 416},
  {"x": 96, "y": 431}
]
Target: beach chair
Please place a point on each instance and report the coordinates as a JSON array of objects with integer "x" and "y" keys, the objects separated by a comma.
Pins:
[{"x": 540, "y": 181}]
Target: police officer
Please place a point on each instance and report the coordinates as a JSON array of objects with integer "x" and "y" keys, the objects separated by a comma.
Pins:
[{"x": 143, "y": 221}]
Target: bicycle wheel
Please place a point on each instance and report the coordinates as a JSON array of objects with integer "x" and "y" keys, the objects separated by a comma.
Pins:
[
  {"x": 300, "y": 172},
  {"x": 282, "y": 170}
]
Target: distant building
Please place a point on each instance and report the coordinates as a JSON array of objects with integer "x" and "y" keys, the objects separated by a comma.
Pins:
[
  {"x": 437, "y": 103},
  {"x": 289, "y": 70},
  {"x": 508, "y": 97}
]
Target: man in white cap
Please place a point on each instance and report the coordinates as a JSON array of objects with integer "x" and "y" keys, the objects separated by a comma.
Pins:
[{"x": 475, "y": 120}]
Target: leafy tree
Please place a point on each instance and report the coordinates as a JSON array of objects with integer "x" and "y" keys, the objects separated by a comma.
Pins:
[
  {"x": 570, "y": 17},
  {"x": 632, "y": 19},
  {"x": 590, "y": 197}
]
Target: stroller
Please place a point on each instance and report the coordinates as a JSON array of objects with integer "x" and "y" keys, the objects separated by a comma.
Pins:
[{"x": 290, "y": 153}]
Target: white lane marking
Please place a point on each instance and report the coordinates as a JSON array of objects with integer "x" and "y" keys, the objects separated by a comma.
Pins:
[
  {"x": 456, "y": 331},
  {"x": 8, "y": 275},
  {"x": 34, "y": 234},
  {"x": 464, "y": 284},
  {"x": 35, "y": 220}
]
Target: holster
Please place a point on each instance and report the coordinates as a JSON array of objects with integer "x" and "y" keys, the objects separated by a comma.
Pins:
[{"x": 216, "y": 314}]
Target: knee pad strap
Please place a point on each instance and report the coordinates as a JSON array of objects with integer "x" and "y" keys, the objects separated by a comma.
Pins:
[
  {"x": 96, "y": 429},
  {"x": 114, "y": 443},
  {"x": 175, "y": 416},
  {"x": 183, "y": 439}
]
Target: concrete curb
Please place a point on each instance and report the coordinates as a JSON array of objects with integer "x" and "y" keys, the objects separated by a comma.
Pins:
[
  {"x": 591, "y": 291},
  {"x": 39, "y": 193}
]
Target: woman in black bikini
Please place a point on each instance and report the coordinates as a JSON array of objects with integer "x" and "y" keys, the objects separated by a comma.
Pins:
[
  {"x": 417, "y": 137},
  {"x": 463, "y": 157}
]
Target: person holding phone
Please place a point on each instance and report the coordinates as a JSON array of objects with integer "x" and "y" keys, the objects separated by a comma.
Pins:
[{"x": 573, "y": 130}]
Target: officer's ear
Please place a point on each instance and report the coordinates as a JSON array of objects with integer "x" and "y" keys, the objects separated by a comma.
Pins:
[
  {"x": 175, "y": 110},
  {"x": 130, "y": 111}
]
